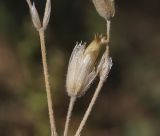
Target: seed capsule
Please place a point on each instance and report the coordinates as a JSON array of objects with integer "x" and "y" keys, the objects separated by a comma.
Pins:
[
  {"x": 105, "y": 8},
  {"x": 81, "y": 69}
]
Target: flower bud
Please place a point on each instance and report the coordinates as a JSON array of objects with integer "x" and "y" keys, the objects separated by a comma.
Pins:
[
  {"x": 81, "y": 69},
  {"x": 105, "y": 8}
]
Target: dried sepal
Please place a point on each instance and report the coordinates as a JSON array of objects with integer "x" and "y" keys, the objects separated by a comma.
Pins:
[
  {"x": 47, "y": 14},
  {"x": 89, "y": 81},
  {"x": 35, "y": 17},
  {"x": 105, "y": 8},
  {"x": 74, "y": 62},
  {"x": 105, "y": 65}
]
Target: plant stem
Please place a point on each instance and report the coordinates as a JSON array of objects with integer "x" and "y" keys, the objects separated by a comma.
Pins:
[
  {"x": 47, "y": 84},
  {"x": 69, "y": 114},
  {"x": 88, "y": 111},
  {"x": 108, "y": 30}
]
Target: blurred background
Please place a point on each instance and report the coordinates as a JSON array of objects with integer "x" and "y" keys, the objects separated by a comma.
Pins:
[{"x": 129, "y": 103}]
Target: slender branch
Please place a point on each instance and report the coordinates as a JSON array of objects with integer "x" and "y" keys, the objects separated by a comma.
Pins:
[
  {"x": 108, "y": 30},
  {"x": 47, "y": 84},
  {"x": 69, "y": 114},
  {"x": 88, "y": 111}
]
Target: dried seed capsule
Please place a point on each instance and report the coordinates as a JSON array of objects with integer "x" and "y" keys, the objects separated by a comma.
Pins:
[
  {"x": 105, "y": 8},
  {"x": 81, "y": 69}
]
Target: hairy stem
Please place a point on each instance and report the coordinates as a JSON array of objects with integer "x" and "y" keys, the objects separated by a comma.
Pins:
[
  {"x": 69, "y": 114},
  {"x": 88, "y": 111},
  {"x": 108, "y": 30},
  {"x": 47, "y": 84}
]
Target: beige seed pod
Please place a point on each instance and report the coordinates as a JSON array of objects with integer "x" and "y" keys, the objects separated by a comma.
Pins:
[
  {"x": 105, "y": 8},
  {"x": 81, "y": 68}
]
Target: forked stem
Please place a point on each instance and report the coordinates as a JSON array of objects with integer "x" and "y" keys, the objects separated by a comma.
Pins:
[
  {"x": 69, "y": 114},
  {"x": 88, "y": 111},
  {"x": 47, "y": 84}
]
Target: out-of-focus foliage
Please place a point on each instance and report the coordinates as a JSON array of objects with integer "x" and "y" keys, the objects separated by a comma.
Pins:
[{"x": 129, "y": 103}]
